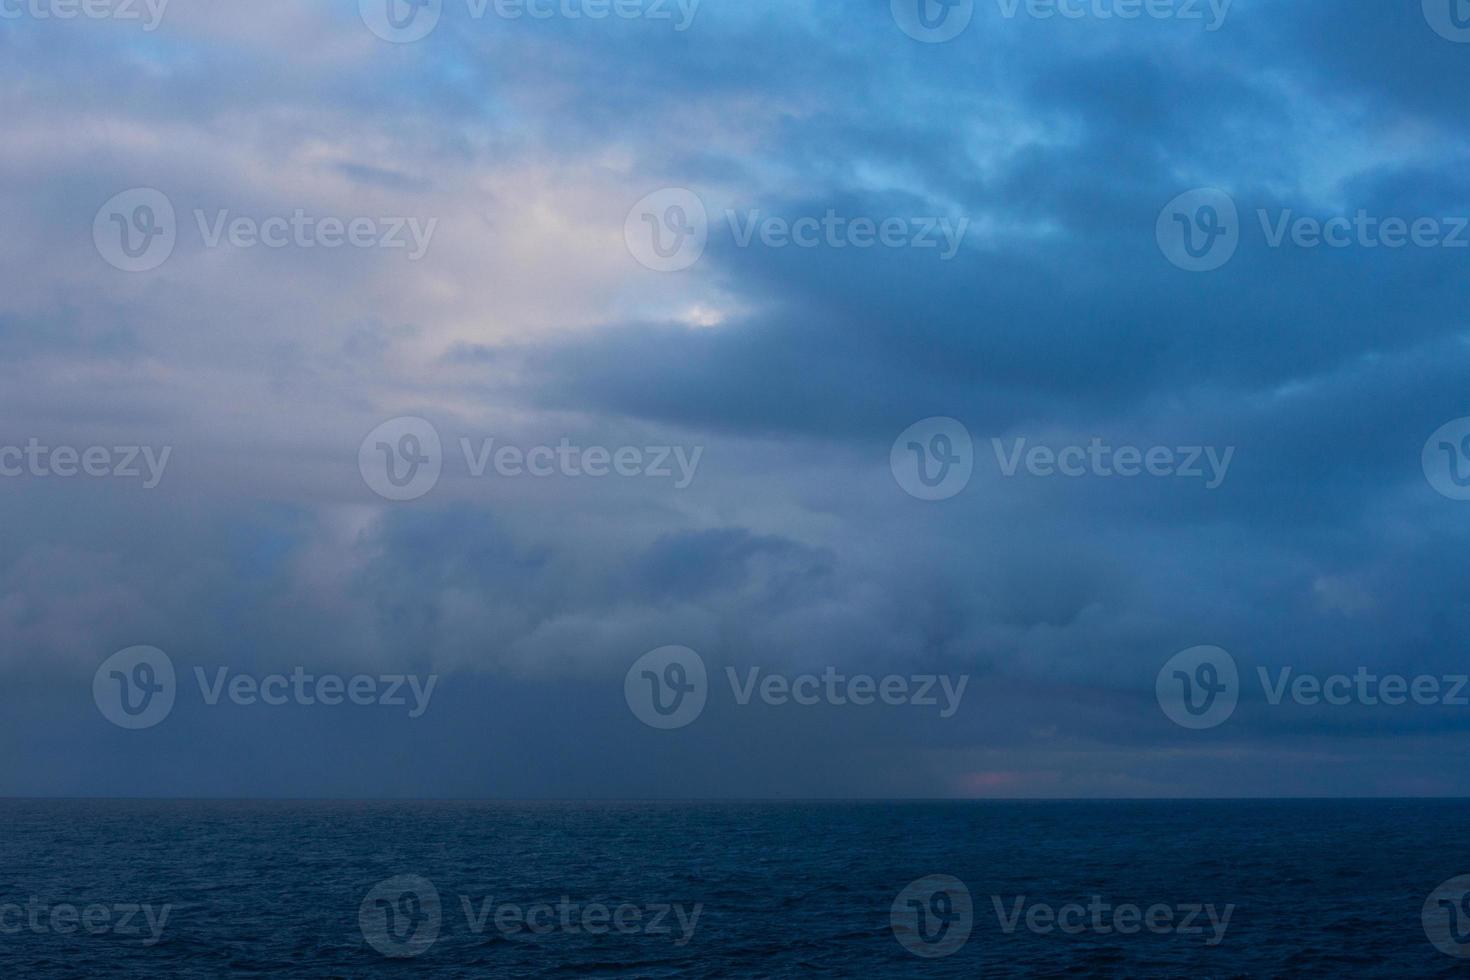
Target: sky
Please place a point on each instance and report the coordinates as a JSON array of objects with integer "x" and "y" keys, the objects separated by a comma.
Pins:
[{"x": 1004, "y": 353}]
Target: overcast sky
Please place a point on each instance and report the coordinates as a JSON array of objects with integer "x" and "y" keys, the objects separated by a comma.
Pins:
[{"x": 787, "y": 534}]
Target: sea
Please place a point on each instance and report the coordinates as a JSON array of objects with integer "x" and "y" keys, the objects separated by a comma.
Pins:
[{"x": 92, "y": 888}]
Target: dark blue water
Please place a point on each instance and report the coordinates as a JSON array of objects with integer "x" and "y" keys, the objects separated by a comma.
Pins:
[{"x": 277, "y": 889}]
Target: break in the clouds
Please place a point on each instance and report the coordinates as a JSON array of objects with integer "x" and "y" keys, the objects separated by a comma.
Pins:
[{"x": 248, "y": 238}]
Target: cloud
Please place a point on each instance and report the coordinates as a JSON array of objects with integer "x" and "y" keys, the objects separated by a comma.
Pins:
[{"x": 1058, "y": 321}]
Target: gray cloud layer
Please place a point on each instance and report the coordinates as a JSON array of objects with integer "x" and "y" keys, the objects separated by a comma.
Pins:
[{"x": 794, "y": 369}]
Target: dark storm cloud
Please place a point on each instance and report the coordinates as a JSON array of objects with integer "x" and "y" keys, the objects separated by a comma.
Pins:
[{"x": 1058, "y": 321}]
